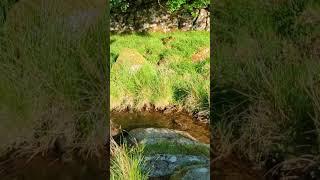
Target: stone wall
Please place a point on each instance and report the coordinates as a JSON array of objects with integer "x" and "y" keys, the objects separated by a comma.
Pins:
[{"x": 155, "y": 18}]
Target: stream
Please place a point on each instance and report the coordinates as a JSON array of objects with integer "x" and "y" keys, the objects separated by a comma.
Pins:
[{"x": 181, "y": 121}]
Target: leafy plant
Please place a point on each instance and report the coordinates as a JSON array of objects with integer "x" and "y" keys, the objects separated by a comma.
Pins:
[{"x": 172, "y": 5}]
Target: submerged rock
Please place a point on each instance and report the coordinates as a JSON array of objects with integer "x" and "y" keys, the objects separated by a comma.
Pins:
[
  {"x": 166, "y": 164},
  {"x": 199, "y": 172}
]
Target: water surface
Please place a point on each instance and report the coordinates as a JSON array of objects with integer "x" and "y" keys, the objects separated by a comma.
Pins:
[{"x": 178, "y": 120}]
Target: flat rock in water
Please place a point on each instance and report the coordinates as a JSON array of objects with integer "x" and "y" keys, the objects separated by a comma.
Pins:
[
  {"x": 148, "y": 133},
  {"x": 159, "y": 165}
]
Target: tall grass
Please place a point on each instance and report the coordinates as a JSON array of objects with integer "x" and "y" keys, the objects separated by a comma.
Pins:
[
  {"x": 169, "y": 77},
  {"x": 52, "y": 76},
  {"x": 127, "y": 162},
  {"x": 265, "y": 59}
]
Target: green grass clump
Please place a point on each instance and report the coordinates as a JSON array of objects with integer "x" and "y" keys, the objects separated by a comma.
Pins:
[
  {"x": 168, "y": 77},
  {"x": 127, "y": 163}
]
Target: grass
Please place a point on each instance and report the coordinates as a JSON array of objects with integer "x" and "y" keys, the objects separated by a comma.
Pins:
[
  {"x": 52, "y": 83},
  {"x": 168, "y": 77},
  {"x": 127, "y": 162},
  {"x": 266, "y": 78}
]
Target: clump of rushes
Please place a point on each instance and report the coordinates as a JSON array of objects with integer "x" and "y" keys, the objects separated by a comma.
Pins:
[{"x": 127, "y": 162}]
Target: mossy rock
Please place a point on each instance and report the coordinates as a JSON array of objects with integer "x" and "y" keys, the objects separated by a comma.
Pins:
[
  {"x": 130, "y": 58},
  {"x": 175, "y": 146},
  {"x": 163, "y": 140}
]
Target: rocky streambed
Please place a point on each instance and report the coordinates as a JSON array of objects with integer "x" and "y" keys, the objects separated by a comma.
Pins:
[{"x": 176, "y": 146}]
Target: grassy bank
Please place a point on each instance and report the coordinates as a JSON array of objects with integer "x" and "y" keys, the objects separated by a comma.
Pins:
[
  {"x": 167, "y": 77},
  {"x": 266, "y": 83},
  {"x": 52, "y": 78}
]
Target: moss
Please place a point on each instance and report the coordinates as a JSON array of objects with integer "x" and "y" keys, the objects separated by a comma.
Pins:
[{"x": 166, "y": 147}]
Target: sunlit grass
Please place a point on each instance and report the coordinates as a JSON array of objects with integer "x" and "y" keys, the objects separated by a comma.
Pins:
[
  {"x": 127, "y": 162},
  {"x": 177, "y": 80}
]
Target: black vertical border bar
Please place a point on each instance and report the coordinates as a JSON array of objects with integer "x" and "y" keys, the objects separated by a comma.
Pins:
[
  {"x": 107, "y": 145},
  {"x": 212, "y": 74}
]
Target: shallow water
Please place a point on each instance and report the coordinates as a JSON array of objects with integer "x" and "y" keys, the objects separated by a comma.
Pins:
[{"x": 179, "y": 121}]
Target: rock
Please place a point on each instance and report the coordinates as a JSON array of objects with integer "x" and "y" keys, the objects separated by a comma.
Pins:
[
  {"x": 149, "y": 17},
  {"x": 129, "y": 58},
  {"x": 199, "y": 172},
  {"x": 202, "y": 22},
  {"x": 167, "y": 151},
  {"x": 167, "y": 141},
  {"x": 151, "y": 135},
  {"x": 115, "y": 129},
  {"x": 201, "y": 55},
  {"x": 166, "y": 164}
]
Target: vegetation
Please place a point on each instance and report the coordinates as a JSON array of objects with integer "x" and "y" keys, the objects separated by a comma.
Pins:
[
  {"x": 52, "y": 78},
  {"x": 171, "y": 5},
  {"x": 127, "y": 162},
  {"x": 168, "y": 77},
  {"x": 175, "y": 148},
  {"x": 266, "y": 83}
]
